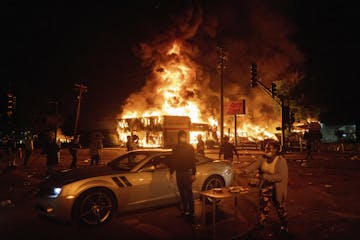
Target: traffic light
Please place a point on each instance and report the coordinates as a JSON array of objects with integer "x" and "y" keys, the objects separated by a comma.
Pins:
[
  {"x": 273, "y": 89},
  {"x": 11, "y": 104},
  {"x": 254, "y": 75},
  {"x": 292, "y": 117}
]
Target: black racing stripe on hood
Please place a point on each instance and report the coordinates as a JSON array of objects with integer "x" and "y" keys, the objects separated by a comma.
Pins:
[{"x": 72, "y": 175}]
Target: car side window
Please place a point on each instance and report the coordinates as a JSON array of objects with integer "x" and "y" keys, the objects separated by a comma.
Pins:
[
  {"x": 128, "y": 161},
  {"x": 161, "y": 162},
  {"x": 158, "y": 162}
]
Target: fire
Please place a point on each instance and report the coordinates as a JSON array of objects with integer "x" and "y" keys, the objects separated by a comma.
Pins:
[
  {"x": 256, "y": 133},
  {"x": 175, "y": 90}
]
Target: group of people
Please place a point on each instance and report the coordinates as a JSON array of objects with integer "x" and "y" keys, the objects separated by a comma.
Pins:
[
  {"x": 227, "y": 149},
  {"x": 272, "y": 169},
  {"x": 52, "y": 151},
  {"x": 95, "y": 146},
  {"x": 21, "y": 150},
  {"x": 16, "y": 150}
]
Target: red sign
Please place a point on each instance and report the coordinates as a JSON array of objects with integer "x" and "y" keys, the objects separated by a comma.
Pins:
[{"x": 236, "y": 107}]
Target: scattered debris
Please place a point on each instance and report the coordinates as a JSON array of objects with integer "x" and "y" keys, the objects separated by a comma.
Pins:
[
  {"x": 7, "y": 203},
  {"x": 328, "y": 185},
  {"x": 27, "y": 184},
  {"x": 304, "y": 164}
]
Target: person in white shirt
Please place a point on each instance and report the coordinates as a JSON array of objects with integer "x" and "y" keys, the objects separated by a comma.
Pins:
[{"x": 273, "y": 172}]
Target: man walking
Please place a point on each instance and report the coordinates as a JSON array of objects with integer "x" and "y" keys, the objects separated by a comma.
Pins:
[
  {"x": 184, "y": 163},
  {"x": 228, "y": 150}
]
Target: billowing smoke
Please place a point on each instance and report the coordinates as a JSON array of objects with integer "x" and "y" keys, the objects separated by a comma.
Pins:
[{"x": 248, "y": 31}]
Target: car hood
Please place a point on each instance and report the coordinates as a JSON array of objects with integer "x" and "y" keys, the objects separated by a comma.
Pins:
[{"x": 67, "y": 176}]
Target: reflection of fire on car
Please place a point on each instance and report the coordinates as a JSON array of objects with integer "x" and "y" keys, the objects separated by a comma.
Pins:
[{"x": 136, "y": 180}]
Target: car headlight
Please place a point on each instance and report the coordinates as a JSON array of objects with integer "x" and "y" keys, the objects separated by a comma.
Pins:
[{"x": 55, "y": 192}]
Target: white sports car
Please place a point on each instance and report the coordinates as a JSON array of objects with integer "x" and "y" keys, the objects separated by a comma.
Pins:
[{"x": 136, "y": 180}]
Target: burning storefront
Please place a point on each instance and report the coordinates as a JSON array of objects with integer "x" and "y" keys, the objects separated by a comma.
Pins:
[
  {"x": 183, "y": 82},
  {"x": 161, "y": 131}
]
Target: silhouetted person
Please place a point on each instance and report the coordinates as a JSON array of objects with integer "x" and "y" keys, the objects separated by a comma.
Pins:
[
  {"x": 94, "y": 148},
  {"x": 12, "y": 149},
  {"x": 228, "y": 150},
  {"x": 29, "y": 147},
  {"x": 200, "y": 146},
  {"x": 74, "y": 145},
  {"x": 51, "y": 149},
  {"x": 309, "y": 140},
  {"x": 184, "y": 163},
  {"x": 129, "y": 143}
]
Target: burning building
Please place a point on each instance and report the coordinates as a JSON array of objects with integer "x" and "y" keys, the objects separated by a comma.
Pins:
[
  {"x": 181, "y": 85},
  {"x": 174, "y": 99},
  {"x": 160, "y": 131}
]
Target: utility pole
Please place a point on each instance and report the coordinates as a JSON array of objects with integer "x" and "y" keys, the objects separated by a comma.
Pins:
[
  {"x": 82, "y": 88},
  {"x": 221, "y": 67}
]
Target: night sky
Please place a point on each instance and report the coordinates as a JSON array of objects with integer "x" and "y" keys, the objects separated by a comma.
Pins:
[{"x": 47, "y": 48}]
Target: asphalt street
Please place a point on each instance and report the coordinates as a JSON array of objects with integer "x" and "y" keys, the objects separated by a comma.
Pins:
[{"x": 322, "y": 203}]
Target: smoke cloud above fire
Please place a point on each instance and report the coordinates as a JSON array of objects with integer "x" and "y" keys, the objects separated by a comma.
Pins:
[{"x": 183, "y": 62}]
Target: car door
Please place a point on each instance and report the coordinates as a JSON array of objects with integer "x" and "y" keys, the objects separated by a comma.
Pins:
[
  {"x": 133, "y": 186},
  {"x": 159, "y": 189}
]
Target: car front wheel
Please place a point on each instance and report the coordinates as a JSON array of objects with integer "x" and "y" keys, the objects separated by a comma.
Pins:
[
  {"x": 214, "y": 181},
  {"x": 95, "y": 207}
]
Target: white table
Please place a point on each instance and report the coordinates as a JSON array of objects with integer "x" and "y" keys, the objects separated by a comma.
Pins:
[{"x": 215, "y": 198}]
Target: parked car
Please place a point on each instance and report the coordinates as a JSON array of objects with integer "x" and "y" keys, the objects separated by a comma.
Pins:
[{"x": 139, "y": 179}]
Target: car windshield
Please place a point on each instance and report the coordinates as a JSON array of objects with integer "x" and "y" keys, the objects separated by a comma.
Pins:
[
  {"x": 202, "y": 159},
  {"x": 128, "y": 160}
]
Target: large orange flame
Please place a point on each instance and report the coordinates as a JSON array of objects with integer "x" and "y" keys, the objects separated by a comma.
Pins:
[{"x": 176, "y": 92}]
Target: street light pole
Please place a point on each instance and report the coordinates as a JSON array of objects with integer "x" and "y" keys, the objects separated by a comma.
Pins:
[
  {"x": 221, "y": 67},
  {"x": 222, "y": 96},
  {"x": 82, "y": 88}
]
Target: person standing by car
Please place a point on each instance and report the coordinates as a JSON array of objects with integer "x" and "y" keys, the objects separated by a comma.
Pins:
[
  {"x": 129, "y": 143},
  {"x": 273, "y": 171},
  {"x": 184, "y": 163},
  {"x": 51, "y": 149},
  {"x": 228, "y": 150}
]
